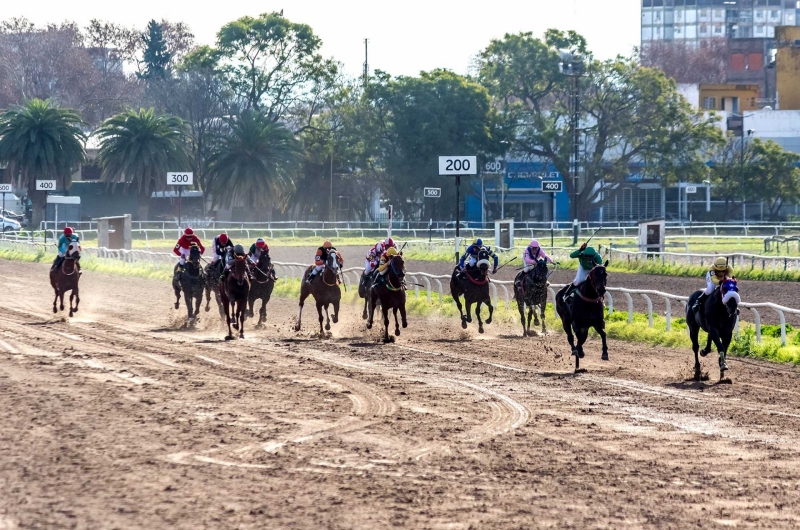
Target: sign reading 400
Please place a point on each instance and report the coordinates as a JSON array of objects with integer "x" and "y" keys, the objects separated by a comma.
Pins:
[
  {"x": 180, "y": 178},
  {"x": 458, "y": 165}
]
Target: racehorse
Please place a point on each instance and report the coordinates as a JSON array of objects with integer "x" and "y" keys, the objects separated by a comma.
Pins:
[
  {"x": 473, "y": 283},
  {"x": 191, "y": 281},
  {"x": 391, "y": 291},
  {"x": 325, "y": 291},
  {"x": 531, "y": 290},
  {"x": 718, "y": 320},
  {"x": 364, "y": 289},
  {"x": 261, "y": 286},
  {"x": 584, "y": 311},
  {"x": 234, "y": 292},
  {"x": 66, "y": 277},
  {"x": 213, "y": 274}
]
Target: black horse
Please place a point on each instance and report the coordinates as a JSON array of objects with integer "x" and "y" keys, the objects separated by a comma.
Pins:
[
  {"x": 213, "y": 275},
  {"x": 584, "y": 310},
  {"x": 390, "y": 290},
  {"x": 325, "y": 290},
  {"x": 234, "y": 292},
  {"x": 192, "y": 281},
  {"x": 364, "y": 290},
  {"x": 262, "y": 283},
  {"x": 473, "y": 283},
  {"x": 718, "y": 320},
  {"x": 531, "y": 290}
]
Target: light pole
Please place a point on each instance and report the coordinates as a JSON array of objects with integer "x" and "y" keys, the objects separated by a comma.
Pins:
[
  {"x": 741, "y": 173},
  {"x": 571, "y": 65}
]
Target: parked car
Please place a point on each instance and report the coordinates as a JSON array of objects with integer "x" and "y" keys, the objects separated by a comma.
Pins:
[{"x": 10, "y": 225}]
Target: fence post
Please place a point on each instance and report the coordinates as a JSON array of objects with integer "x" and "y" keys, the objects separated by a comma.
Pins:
[
  {"x": 758, "y": 324},
  {"x": 630, "y": 307},
  {"x": 649, "y": 309}
]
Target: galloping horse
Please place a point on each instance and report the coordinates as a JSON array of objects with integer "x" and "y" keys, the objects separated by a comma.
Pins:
[
  {"x": 531, "y": 290},
  {"x": 391, "y": 291},
  {"x": 474, "y": 285},
  {"x": 364, "y": 289},
  {"x": 325, "y": 291},
  {"x": 718, "y": 320},
  {"x": 584, "y": 311},
  {"x": 213, "y": 274},
  {"x": 191, "y": 281},
  {"x": 234, "y": 294},
  {"x": 65, "y": 278},
  {"x": 261, "y": 286}
]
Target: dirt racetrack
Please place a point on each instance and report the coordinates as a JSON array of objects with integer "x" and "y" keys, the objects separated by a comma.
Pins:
[{"x": 118, "y": 418}]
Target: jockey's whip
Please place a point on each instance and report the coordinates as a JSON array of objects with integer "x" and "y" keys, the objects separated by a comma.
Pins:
[
  {"x": 594, "y": 234},
  {"x": 507, "y": 262},
  {"x": 256, "y": 266}
]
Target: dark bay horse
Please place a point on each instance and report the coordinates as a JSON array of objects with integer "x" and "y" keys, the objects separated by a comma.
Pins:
[
  {"x": 364, "y": 290},
  {"x": 234, "y": 292},
  {"x": 391, "y": 291},
  {"x": 531, "y": 290},
  {"x": 325, "y": 290},
  {"x": 584, "y": 310},
  {"x": 473, "y": 284},
  {"x": 718, "y": 320},
  {"x": 65, "y": 278},
  {"x": 213, "y": 274},
  {"x": 262, "y": 274},
  {"x": 191, "y": 281}
]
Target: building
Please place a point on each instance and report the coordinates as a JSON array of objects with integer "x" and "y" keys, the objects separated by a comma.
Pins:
[{"x": 787, "y": 67}]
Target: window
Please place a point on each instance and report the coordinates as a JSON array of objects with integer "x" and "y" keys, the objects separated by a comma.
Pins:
[
  {"x": 717, "y": 29},
  {"x": 737, "y": 62},
  {"x": 710, "y": 103},
  {"x": 657, "y": 16},
  {"x": 759, "y": 14},
  {"x": 759, "y": 30},
  {"x": 755, "y": 61},
  {"x": 773, "y": 14},
  {"x": 703, "y": 29}
]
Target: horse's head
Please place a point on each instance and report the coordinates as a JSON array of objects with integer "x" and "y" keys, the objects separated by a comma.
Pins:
[
  {"x": 264, "y": 261},
  {"x": 483, "y": 261},
  {"x": 194, "y": 254},
  {"x": 598, "y": 278},
  {"x": 398, "y": 266},
  {"x": 333, "y": 260},
  {"x": 730, "y": 297},
  {"x": 239, "y": 268},
  {"x": 539, "y": 273},
  {"x": 74, "y": 250}
]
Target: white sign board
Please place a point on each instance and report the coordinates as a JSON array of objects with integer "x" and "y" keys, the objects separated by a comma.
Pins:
[
  {"x": 5, "y": 188},
  {"x": 494, "y": 167},
  {"x": 552, "y": 186},
  {"x": 458, "y": 165},
  {"x": 432, "y": 193},
  {"x": 691, "y": 189},
  {"x": 180, "y": 178},
  {"x": 45, "y": 185}
]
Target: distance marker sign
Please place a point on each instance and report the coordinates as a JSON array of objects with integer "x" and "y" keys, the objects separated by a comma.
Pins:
[
  {"x": 432, "y": 193},
  {"x": 45, "y": 185},
  {"x": 552, "y": 186},
  {"x": 5, "y": 188},
  {"x": 180, "y": 178},
  {"x": 458, "y": 165}
]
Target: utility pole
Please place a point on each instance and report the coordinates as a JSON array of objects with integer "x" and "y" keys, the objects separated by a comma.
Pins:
[{"x": 366, "y": 63}]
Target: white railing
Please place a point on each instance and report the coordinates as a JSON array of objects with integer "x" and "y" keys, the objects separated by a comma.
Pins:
[
  {"x": 737, "y": 259},
  {"x": 432, "y": 284}
]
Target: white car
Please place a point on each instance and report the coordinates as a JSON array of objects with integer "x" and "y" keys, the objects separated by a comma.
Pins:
[{"x": 10, "y": 225}]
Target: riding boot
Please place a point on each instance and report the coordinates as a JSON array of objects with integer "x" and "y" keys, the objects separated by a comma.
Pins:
[
  {"x": 311, "y": 277},
  {"x": 698, "y": 304}
]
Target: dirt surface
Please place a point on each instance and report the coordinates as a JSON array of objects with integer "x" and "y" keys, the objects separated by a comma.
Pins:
[{"x": 119, "y": 418}]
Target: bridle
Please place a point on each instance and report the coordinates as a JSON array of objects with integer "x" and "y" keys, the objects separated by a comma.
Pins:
[
  {"x": 591, "y": 278},
  {"x": 329, "y": 266},
  {"x": 398, "y": 275}
]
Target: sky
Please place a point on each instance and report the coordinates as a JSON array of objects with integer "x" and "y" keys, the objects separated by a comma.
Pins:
[{"x": 405, "y": 37}]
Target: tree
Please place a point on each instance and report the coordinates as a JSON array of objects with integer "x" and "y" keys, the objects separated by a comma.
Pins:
[
  {"x": 156, "y": 57},
  {"x": 41, "y": 141},
  {"x": 254, "y": 162},
  {"x": 631, "y": 116},
  {"x": 274, "y": 64},
  {"x": 138, "y": 148},
  {"x": 421, "y": 118},
  {"x": 686, "y": 62}
]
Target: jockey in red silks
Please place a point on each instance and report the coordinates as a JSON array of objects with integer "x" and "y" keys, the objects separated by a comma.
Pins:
[
  {"x": 184, "y": 244},
  {"x": 375, "y": 253},
  {"x": 533, "y": 254}
]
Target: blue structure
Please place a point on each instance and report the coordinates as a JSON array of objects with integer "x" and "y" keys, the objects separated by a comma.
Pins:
[{"x": 523, "y": 198}]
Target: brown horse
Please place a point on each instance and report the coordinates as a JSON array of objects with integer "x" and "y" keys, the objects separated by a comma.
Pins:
[
  {"x": 325, "y": 291},
  {"x": 263, "y": 275},
  {"x": 474, "y": 285},
  {"x": 65, "y": 278},
  {"x": 391, "y": 291},
  {"x": 234, "y": 292},
  {"x": 191, "y": 282},
  {"x": 213, "y": 275}
]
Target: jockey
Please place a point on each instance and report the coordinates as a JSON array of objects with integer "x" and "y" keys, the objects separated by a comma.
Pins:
[
  {"x": 718, "y": 273},
  {"x": 237, "y": 252},
  {"x": 321, "y": 257},
  {"x": 386, "y": 258},
  {"x": 375, "y": 253},
  {"x": 533, "y": 254},
  {"x": 184, "y": 244},
  {"x": 472, "y": 253},
  {"x": 221, "y": 245},
  {"x": 69, "y": 236},
  {"x": 257, "y": 248},
  {"x": 587, "y": 259}
]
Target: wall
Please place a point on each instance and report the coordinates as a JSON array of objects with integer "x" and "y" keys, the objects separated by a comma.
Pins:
[
  {"x": 787, "y": 66},
  {"x": 747, "y": 94}
]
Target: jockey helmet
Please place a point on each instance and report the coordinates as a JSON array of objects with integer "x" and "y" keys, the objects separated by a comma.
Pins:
[
  {"x": 391, "y": 252},
  {"x": 327, "y": 244},
  {"x": 188, "y": 232},
  {"x": 68, "y": 231},
  {"x": 389, "y": 242},
  {"x": 223, "y": 238},
  {"x": 534, "y": 243},
  {"x": 479, "y": 242},
  {"x": 238, "y": 249},
  {"x": 721, "y": 264},
  {"x": 260, "y": 243}
]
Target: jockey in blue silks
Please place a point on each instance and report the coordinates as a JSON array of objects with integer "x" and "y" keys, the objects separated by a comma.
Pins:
[
  {"x": 69, "y": 236},
  {"x": 470, "y": 257}
]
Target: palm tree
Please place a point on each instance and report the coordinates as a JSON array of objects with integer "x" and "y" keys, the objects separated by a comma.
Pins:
[
  {"x": 41, "y": 141},
  {"x": 254, "y": 162},
  {"x": 138, "y": 148}
]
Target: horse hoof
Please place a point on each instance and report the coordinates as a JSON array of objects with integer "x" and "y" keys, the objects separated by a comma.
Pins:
[
  {"x": 463, "y": 323},
  {"x": 397, "y": 332},
  {"x": 241, "y": 335},
  {"x": 469, "y": 319},
  {"x": 335, "y": 319},
  {"x": 489, "y": 320},
  {"x": 480, "y": 329},
  {"x": 405, "y": 325},
  {"x": 580, "y": 370},
  {"x": 327, "y": 327},
  {"x": 236, "y": 326},
  {"x": 229, "y": 337},
  {"x": 70, "y": 313},
  {"x": 75, "y": 310},
  {"x": 55, "y": 310},
  {"x": 604, "y": 357},
  {"x": 364, "y": 315},
  {"x": 704, "y": 352},
  {"x": 297, "y": 328},
  {"x": 581, "y": 354},
  {"x": 725, "y": 381},
  {"x": 369, "y": 325},
  {"x": 177, "y": 305},
  {"x": 208, "y": 309},
  {"x": 574, "y": 352}
]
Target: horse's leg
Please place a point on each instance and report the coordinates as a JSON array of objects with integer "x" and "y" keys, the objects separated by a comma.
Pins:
[
  {"x": 71, "y": 297},
  {"x": 535, "y": 316},
  {"x": 491, "y": 311},
  {"x": 725, "y": 341},
  {"x": 531, "y": 313},
  {"x": 371, "y": 315},
  {"x": 335, "y": 316},
  {"x": 567, "y": 325},
  {"x": 262, "y": 313},
  {"x": 176, "y": 286},
  {"x": 55, "y": 301},
  {"x": 319, "y": 312},
  {"x": 403, "y": 314},
  {"x": 582, "y": 334},
  {"x": 705, "y": 351},
  {"x": 207, "y": 289},
  {"x": 77, "y": 292},
  {"x": 327, "y": 319},
  {"x": 385, "y": 311},
  {"x": 457, "y": 300},
  {"x": 251, "y": 300},
  {"x": 478, "y": 315},
  {"x": 694, "y": 331},
  {"x": 601, "y": 330},
  {"x": 61, "y": 294},
  {"x": 303, "y": 295},
  {"x": 521, "y": 309},
  {"x": 469, "y": 308},
  {"x": 365, "y": 314},
  {"x": 541, "y": 310},
  {"x": 396, "y": 323},
  {"x": 226, "y": 309},
  {"x": 241, "y": 312}
]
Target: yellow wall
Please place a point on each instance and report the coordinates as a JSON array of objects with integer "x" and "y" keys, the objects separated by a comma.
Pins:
[
  {"x": 787, "y": 65},
  {"x": 747, "y": 94}
]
